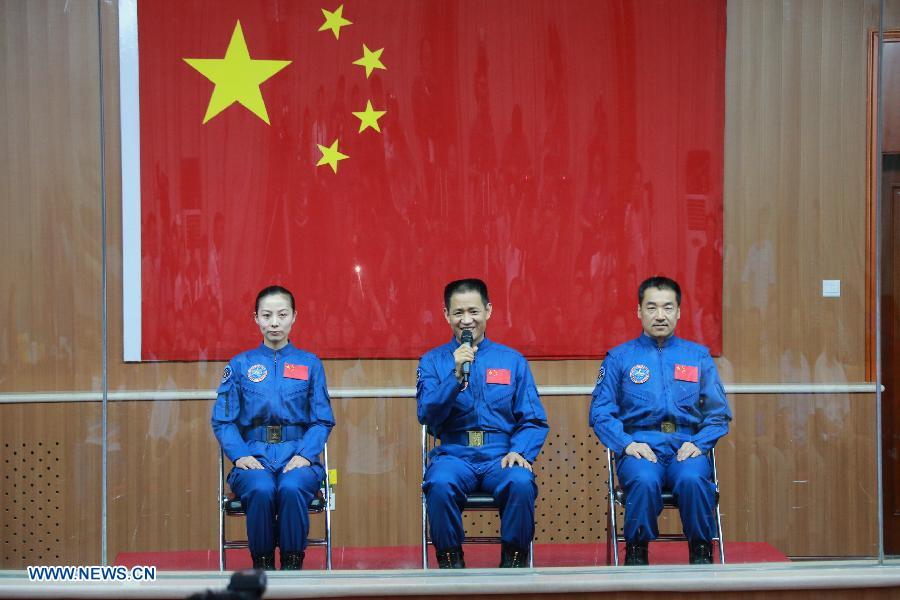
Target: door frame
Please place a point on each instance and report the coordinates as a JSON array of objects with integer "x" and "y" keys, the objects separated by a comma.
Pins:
[{"x": 874, "y": 162}]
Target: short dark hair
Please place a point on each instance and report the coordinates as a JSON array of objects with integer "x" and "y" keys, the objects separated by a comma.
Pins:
[
  {"x": 661, "y": 283},
  {"x": 271, "y": 291},
  {"x": 461, "y": 286}
]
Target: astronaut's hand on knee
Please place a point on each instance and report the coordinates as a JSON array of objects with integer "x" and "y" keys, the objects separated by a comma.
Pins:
[
  {"x": 296, "y": 462},
  {"x": 514, "y": 459},
  {"x": 687, "y": 450},
  {"x": 640, "y": 450},
  {"x": 248, "y": 462}
]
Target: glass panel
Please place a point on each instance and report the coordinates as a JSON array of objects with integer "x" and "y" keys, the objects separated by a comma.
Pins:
[
  {"x": 562, "y": 152},
  {"x": 51, "y": 352}
]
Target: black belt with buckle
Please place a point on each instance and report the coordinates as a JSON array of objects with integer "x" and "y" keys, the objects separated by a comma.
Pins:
[
  {"x": 663, "y": 426},
  {"x": 275, "y": 434},
  {"x": 474, "y": 439}
]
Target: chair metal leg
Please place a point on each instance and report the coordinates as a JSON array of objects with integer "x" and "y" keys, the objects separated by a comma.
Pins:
[
  {"x": 221, "y": 512},
  {"x": 424, "y": 532},
  {"x": 612, "y": 557},
  {"x": 715, "y": 474},
  {"x": 721, "y": 536},
  {"x": 612, "y": 521},
  {"x": 424, "y": 503},
  {"x": 327, "y": 510}
]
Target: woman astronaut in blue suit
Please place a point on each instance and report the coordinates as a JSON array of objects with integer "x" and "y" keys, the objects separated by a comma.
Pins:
[{"x": 272, "y": 417}]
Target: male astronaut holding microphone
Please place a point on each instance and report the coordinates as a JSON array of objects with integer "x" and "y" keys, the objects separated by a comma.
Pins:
[{"x": 479, "y": 398}]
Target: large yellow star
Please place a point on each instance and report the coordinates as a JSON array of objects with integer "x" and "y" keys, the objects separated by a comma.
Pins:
[
  {"x": 330, "y": 155},
  {"x": 334, "y": 21},
  {"x": 369, "y": 118},
  {"x": 237, "y": 77},
  {"x": 370, "y": 60}
]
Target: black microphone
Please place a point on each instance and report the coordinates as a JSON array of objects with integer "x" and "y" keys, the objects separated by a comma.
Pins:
[{"x": 466, "y": 338}]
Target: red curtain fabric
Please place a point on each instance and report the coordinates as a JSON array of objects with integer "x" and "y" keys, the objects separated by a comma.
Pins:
[{"x": 560, "y": 150}]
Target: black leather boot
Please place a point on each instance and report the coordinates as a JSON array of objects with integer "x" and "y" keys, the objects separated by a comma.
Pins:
[
  {"x": 450, "y": 559},
  {"x": 292, "y": 561},
  {"x": 701, "y": 553},
  {"x": 264, "y": 561},
  {"x": 512, "y": 557},
  {"x": 636, "y": 555}
]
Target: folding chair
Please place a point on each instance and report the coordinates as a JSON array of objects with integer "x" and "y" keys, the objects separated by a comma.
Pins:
[
  {"x": 474, "y": 501},
  {"x": 617, "y": 498},
  {"x": 230, "y": 506}
]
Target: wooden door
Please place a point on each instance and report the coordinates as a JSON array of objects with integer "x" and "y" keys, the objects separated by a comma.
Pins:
[
  {"x": 890, "y": 289},
  {"x": 890, "y": 365}
]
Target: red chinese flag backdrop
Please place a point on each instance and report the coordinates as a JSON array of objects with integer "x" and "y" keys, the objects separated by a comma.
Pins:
[{"x": 562, "y": 151}]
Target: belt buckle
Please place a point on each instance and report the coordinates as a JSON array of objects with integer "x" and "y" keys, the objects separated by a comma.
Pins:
[
  {"x": 668, "y": 427},
  {"x": 273, "y": 434},
  {"x": 476, "y": 438}
]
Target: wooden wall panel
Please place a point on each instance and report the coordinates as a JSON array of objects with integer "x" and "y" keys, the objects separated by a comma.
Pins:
[
  {"x": 377, "y": 452},
  {"x": 50, "y": 235},
  {"x": 795, "y": 152},
  {"x": 50, "y": 280},
  {"x": 791, "y": 469},
  {"x": 890, "y": 84},
  {"x": 891, "y": 15},
  {"x": 797, "y": 471},
  {"x": 163, "y": 482},
  {"x": 51, "y": 485}
]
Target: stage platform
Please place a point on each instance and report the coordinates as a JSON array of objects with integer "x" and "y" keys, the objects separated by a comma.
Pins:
[
  {"x": 860, "y": 580},
  {"x": 410, "y": 557}
]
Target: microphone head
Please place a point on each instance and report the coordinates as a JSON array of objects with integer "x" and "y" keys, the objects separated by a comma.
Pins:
[{"x": 466, "y": 337}]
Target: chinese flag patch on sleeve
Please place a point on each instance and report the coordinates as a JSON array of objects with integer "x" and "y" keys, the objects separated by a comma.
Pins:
[
  {"x": 296, "y": 371},
  {"x": 501, "y": 376},
  {"x": 686, "y": 373}
]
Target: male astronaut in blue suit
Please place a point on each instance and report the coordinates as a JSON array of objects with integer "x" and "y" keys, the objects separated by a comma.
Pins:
[
  {"x": 660, "y": 406},
  {"x": 491, "y": 425}
]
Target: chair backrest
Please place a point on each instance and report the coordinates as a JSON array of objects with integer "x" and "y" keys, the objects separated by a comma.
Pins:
[
  {"x": 429, "y": 441},
  {"x": 425, "y": 450}
]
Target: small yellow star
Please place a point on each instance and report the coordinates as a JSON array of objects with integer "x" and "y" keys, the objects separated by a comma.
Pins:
[
  {"x": 334, "y": 21},
  {"x": 237, "y": 77},
  {"x": 370, "y": 60},
  {"x": 330, "y": 155},
  {"x": 369, "y": 118}
]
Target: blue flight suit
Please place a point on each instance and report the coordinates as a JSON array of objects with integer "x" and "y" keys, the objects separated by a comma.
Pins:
[
  {"x": 640, "y": 385},
  {"x": 263, "y": 387},
  {"x": 500, "y": 400}
]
